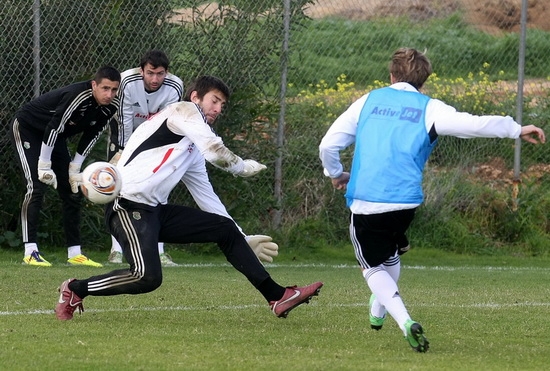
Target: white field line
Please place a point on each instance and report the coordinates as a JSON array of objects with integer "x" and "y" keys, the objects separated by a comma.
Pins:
[
  {"x": 355, "y": 266},
  {"x": 243, "y": 307},
  {"x": 338, "y": 266}
]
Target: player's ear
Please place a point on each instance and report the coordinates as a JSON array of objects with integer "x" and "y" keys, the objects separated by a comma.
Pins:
[{"x": 194, "y": 97}]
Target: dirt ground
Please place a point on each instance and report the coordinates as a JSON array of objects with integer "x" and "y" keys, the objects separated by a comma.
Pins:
[{"x": 493, "y": 16}]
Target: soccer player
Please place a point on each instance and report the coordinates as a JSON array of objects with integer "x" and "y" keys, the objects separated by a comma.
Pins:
[
  {"x": 144, "y": 91},
  {"x": 394, "y": 130},
  {"x": 39, "y": 133},
  {"x": 171, "y": 147}
]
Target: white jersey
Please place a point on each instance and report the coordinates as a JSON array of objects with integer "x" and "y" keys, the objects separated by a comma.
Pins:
[
  {"x": 172, "y": 146},
  {"x": 440, "y": 117},
  {"x": 137, "y": 105}
]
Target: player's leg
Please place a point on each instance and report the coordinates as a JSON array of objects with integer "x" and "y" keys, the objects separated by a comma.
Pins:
[
  {"x": 70, "y": 202},
  {"x": 182, "y": 224},
  {"x": 115, "y": 256},
  {"x": 27, "y": 144},
  {"x": 136, "y": 229},
  {"x": 378, "y": 312},
  {"x": 373, "y": 238}
]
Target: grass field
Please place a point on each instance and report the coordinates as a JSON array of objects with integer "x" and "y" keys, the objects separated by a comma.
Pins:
[{"x": 478, "y": 313}]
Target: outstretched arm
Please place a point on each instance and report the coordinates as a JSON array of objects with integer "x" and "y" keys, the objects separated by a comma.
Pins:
[{"x": 532, "y": 134}]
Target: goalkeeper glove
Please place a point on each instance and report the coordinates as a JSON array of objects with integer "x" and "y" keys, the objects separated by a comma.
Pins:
[
  {"x": 115, "y": 158},
  {"x": 251, "y": 167},
  {"x": 262, "y": 246},
  {"x": 46, "y": 174},
  {"x": 75, "y": 177}
]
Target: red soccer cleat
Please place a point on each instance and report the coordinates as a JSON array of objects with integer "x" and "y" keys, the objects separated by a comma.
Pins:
[
  {"x": 68, "y": 302},
  {"x": 293, "y": 297}
]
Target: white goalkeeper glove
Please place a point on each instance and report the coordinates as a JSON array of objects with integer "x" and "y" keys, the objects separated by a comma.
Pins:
[
  {"x": 75, "y": 177},
  {"x": 262, "y": 246},
  {"x": 115, "y": 158},
  {"x": 46, "y": 174},
  {"x": 251, "y": 168}
]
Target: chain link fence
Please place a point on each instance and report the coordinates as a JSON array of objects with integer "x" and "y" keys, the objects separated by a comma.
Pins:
[{"x": 294, "y": 66}]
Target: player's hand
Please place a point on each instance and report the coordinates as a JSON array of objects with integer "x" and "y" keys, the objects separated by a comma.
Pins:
[
  {"x": 46, "y": 174},
  {"x": 263, "y": 247},
  {"x": 402, "y": 250},
  {"x": 115, "y": 158},
  {"x": 341, "y": 182},
  {"x": 251, "y": 168},
  {"x": 75, "y": 177},
  {"x": 532, "y": 134}
]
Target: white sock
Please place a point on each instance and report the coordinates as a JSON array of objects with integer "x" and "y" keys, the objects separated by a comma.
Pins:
[
  {"x": 386, "y": 291},
  {"x": 115, "y": 246},
  {"x": 161, "y": 248},
  {"x": 73, "y": 251},
  {"x": 30, "y": 247},
  {"x": 393, "y": 267}
]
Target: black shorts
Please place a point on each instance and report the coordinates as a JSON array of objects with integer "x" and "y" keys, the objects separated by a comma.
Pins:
[{"x": 376, "y": 237}]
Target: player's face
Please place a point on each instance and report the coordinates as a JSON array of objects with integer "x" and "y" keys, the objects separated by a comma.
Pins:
[
  {"x": 211, "y": 104},
  {"x": 105, "y": 91},
  {"x": 153, "y": 77}
]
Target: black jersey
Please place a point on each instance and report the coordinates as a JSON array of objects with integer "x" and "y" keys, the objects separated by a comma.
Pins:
[{"x": 66, "y": 112}]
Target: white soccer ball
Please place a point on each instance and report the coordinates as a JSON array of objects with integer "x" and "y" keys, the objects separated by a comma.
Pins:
[{"x": 101, "y": 182}]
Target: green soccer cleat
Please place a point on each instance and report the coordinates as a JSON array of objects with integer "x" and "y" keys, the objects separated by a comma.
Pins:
[
  {"x": 415, "y": 336},
  {"x": 375, "y": 322}
]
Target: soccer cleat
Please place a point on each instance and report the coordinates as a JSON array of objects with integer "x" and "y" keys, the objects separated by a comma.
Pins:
[
  {"x": 415, "y": 336},
  {"x": 166, "y": 260},
  {"x": 36, "y": 259},
  {"x": 293, "y": 297},
  {"x": 83, "y": 260},
  {"x": 68, "y": 302},
  {"x": 115, "y": 257},
  {"x": 375, "y": 322}
]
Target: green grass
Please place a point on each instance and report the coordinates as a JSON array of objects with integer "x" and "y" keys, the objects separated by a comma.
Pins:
[
  {"x": 479, "y": 313},
  {"x": 361, "y": 50}
]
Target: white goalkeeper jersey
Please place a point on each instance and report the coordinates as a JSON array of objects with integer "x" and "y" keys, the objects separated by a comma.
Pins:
[
  {"x": 172, "y": 146},
  {"x": 137, "y": 105}
]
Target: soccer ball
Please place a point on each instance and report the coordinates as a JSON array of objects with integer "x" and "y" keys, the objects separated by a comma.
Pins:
[{"x": 101, "y": 182}]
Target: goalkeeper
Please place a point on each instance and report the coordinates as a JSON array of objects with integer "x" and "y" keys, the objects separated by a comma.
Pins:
[{"x": 172, "y": 146}]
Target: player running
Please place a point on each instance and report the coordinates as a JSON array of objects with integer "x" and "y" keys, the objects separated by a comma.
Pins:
[{"x": 394, "y": 130}]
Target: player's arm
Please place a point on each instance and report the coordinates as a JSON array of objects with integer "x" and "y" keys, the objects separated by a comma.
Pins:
[
  {"x": 125, "y": 121},
  {"x": 448, "y": 121},
  {"x": 188, "y": 121},
  {"x": 197, "y": 182},
  {"x": 339, "y": 136},
  {"x": 65, "y": 100}
]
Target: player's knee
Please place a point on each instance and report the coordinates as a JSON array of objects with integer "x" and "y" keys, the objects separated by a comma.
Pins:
[{"x": 150, "y": 281}]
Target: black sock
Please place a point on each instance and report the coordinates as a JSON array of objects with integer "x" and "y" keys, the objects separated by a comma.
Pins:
[{"x": 271, "y": 290}]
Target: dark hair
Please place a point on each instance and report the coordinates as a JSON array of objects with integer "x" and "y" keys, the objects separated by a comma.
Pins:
[
  {"x": 204, "y": 84},
  {"x": 410, "y": 65},
  {"x": 155, "y": 58},
  {"x": 107, "y": 72}
]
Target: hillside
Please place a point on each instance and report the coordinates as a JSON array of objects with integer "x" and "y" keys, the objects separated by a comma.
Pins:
[{"x": 493, "y": 16}]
